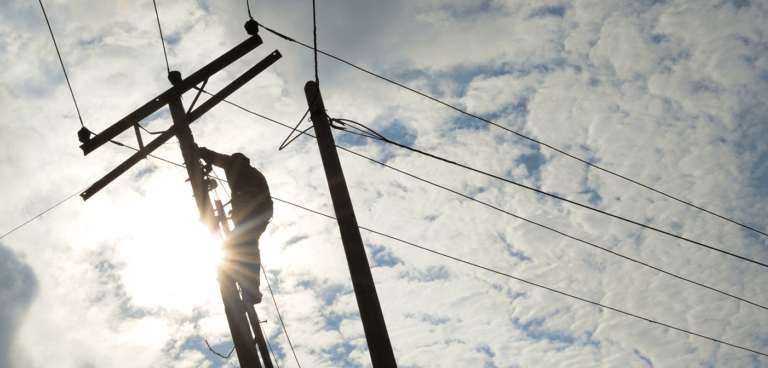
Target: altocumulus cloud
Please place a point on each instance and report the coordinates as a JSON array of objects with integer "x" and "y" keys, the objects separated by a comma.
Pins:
[{"x": 670, "y": 93}]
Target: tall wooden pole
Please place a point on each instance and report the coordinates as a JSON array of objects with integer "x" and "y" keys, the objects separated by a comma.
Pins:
[
  {"x": 234, "y": 308},
  {"x": 362, "y": 280}
]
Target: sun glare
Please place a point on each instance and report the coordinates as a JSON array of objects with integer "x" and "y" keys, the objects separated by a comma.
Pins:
[{"x": 173, "y": 265}]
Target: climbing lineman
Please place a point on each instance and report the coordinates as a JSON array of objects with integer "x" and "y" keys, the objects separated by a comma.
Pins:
[{"x": 251, "y": 212}]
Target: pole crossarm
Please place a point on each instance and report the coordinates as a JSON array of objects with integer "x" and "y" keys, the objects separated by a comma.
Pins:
[
  {"x": 161, "y": 100},
  {"x": 191, "y": 117}
]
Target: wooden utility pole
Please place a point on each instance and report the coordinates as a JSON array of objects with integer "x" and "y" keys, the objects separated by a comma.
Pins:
[
  {"x": 237, "y": 310},
  {"x": 374, "y": 326}
]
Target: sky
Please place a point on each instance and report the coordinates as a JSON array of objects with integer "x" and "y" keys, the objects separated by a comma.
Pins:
[{"x": 671, "y": 94}]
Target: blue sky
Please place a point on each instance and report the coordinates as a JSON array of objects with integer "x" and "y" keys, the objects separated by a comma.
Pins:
[{"x": 668, "y": 93}]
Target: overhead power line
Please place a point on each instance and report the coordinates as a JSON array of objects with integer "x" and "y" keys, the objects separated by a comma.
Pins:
[
  {"x": 62, "y": 64},
  {"x": 383, "y": 139},
  {"x": 516, "y": 133},
  {"x": 162, "y": 40},
  {"x": 501, "y": 210},
  {"x": 555, "y": 230},
  {"x": 529, "y": 282},
  {"x": 314, "y": 37},
  {"x": 44, "y": 212}
]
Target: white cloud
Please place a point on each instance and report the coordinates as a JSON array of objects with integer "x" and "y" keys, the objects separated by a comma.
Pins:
[{"x": 668, "y": 93}]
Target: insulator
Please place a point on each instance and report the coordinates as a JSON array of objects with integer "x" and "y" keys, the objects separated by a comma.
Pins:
[
  {"x": 252, "y": 27},
  {"x": 174, "y": 77},
  {"x": 84, "y": 135}
]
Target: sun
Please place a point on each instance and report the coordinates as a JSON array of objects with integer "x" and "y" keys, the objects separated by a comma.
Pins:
[{"x": 172, "y": 259}]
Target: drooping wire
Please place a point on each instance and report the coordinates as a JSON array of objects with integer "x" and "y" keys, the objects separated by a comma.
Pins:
[
  {"x": 278, "y": 311},
  {"x": 317, "y": 82},
  {"x": 223, "y": 357},
  {"x": 284, "y": 144},
  {"x": 248, "y": 5},
  {"x": 497, "y": 208},
  {"x": 562, "y": 199},
  {"x": 145, "y": 129},
  {"x": 541, "y": 143},
  {"x": 528, "y": 282},
  {"x": 298, "y": 135},
  {"x": 62, "y": 64},
  {"x": 162, "y": 40}
]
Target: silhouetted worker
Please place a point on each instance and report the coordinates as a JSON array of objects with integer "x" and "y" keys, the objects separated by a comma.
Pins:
[{"x": 251, "y": 212}]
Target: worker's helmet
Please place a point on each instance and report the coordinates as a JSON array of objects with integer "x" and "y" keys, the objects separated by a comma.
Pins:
[{"x": 241, "y": 156}]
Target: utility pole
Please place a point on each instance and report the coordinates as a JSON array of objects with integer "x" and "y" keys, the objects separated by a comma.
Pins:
[
  {"x": 374, "y": 325},
  {"x": 237, "y": 311}
]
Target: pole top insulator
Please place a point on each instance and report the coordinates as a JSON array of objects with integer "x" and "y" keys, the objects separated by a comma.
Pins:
[
  {"x": 252, "y": 27},
  {"x": 174, "y": 77},
  {"x": 84, "y": 135}
]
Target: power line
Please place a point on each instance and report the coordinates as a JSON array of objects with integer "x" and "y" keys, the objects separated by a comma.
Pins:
[
  {"x": 515, "y": 133},
  {"x": 46, "y": 211},
  {"x": 491, "y": 206},
  {"x": 556, "y": 231},
  {"x": 62, "y": 64},
  {"x": 222, "y": 357},
  {"x": 564, "y": 199},
  {"x": 278, "y": 311},
  {"x": 453, "y": 258},
  {"x": 503, "y": 211},
  {"x": 162, "y": 40},
  {"x": 82, "y": 190},
  {"x": 529, "y": 282},
  {"x": 314, "y": 37}
]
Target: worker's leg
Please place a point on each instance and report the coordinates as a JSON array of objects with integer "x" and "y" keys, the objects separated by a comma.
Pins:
[
  {"x": 249, "y": 278},
  {"x": 246, "y": 257}
]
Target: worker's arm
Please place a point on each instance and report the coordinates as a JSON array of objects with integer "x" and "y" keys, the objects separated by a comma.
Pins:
[{"x": 215, "y": 158}]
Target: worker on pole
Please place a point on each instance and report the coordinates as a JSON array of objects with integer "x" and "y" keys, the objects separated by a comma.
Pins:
[{"x": 251, "y": 212}]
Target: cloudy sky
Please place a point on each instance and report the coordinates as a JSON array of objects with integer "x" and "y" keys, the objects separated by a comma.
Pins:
[{"x": 669, "y": 93}]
